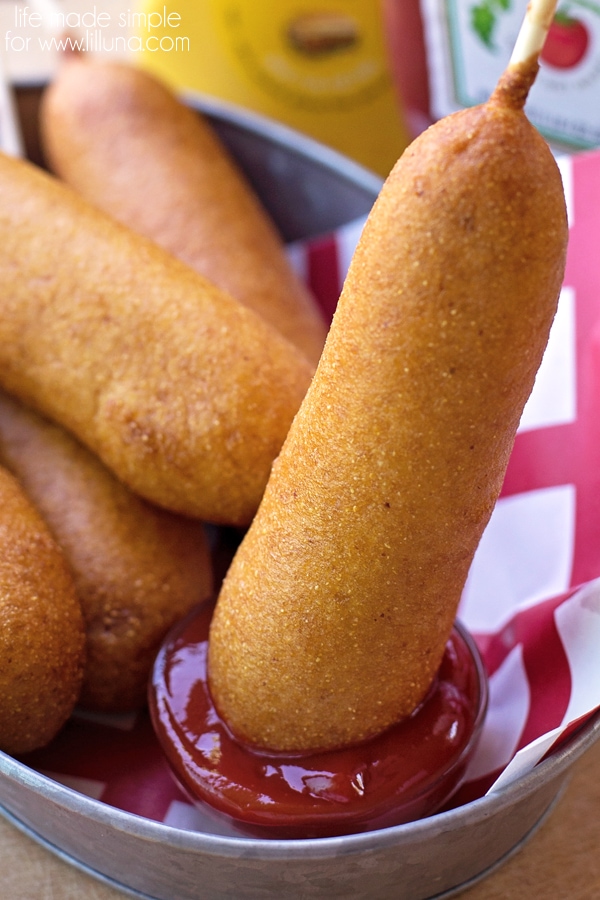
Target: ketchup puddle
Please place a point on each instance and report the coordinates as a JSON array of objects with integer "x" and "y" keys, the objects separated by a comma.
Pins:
[{"x": 406, "y": 773}]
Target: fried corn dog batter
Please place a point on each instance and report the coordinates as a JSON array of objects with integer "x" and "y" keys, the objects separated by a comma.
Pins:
[
  {"x": 124, "y": 141},
  {"x": 183, "y": 392},
  {"x": 41, "y": 634},
  {"x": 335, "y": 612},
  {"x": 137, "y": 569}
]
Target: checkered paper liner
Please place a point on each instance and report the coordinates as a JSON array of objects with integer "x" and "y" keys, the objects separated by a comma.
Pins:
[{"x": 532, "y": 600}]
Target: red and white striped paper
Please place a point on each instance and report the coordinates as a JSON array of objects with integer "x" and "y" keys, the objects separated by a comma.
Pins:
[{"x": 533, "y": 596}]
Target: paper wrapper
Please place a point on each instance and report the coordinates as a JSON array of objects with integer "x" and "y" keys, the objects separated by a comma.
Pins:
[{"x": 532, "y": 600}]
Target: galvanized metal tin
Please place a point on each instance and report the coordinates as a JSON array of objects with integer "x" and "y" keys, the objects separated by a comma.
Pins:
[{"x": 430, "y": 858}]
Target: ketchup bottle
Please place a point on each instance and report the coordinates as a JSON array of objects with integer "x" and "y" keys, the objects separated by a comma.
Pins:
[
  {"x": 319, "y": 66},
  {"x": 405, "y": 39}
]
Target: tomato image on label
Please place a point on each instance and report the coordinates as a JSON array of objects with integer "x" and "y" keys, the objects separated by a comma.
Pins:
[{"x": 567, "y": 42}]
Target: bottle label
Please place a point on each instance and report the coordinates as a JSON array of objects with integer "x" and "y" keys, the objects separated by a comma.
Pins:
[
  {"x": 313, "y": 57},
  {"x": 319, "y": 66},
  {"x": 469, "y": 43}
]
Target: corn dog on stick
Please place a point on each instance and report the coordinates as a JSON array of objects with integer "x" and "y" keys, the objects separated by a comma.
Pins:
[
  {"x": 124, "y": 141},
  {"x": 334, "y": 615},
  {"x": 185, "y": 394}
]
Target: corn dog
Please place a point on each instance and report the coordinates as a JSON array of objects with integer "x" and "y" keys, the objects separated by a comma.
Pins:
[
  {"x": 333, "y": 617},
  {"x": 124, "y": 141},
  {"x": 183, "y": 392},
  {"x": 42, "y": 637},
  {"x": 137, "y": 569}
]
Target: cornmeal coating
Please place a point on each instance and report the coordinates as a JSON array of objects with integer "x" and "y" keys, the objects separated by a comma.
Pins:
[
  {"x": 333, "y": 618},
  {"x": 185, "y": 394},
  {"x": 125, "y": 142},
  {"x": 42, "y": 642},
  {"x": 137, "y": 569}
]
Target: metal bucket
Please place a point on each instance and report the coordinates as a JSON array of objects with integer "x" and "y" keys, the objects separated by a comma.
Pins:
[{"x": 431, "y": 858}]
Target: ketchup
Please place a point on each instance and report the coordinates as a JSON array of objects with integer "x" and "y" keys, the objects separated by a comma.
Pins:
[{"x": 405, "y": 773}]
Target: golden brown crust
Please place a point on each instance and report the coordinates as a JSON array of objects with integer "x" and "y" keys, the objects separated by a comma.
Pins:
[
  {"x": 183, "y": 392},
  {"x": 137, "y": 569},
  {"x": 335, "y": 612},
  {"x": 514, "y": 84},
  {"x": 122, "y": 140},
  {"x": 41, "y": 633}
]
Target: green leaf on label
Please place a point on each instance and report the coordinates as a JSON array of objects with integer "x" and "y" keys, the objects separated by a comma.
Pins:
[
  {"x": 483, "y": 22},
  {"x": 484, "y": 19}
]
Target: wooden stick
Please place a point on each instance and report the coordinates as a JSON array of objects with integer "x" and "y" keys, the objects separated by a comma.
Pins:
[{"x": 532, "y": 36}]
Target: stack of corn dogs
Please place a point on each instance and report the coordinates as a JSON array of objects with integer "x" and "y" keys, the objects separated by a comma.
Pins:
[
  {"x": 163, "y": 368},
  {"x": 142, "y": 396}
]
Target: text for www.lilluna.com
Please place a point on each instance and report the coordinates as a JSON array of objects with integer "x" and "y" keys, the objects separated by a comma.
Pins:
[{"x": 96, "y": 31}]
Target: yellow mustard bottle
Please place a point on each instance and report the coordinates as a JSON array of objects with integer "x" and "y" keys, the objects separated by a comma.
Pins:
[{"x": 320, "y": 67}]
